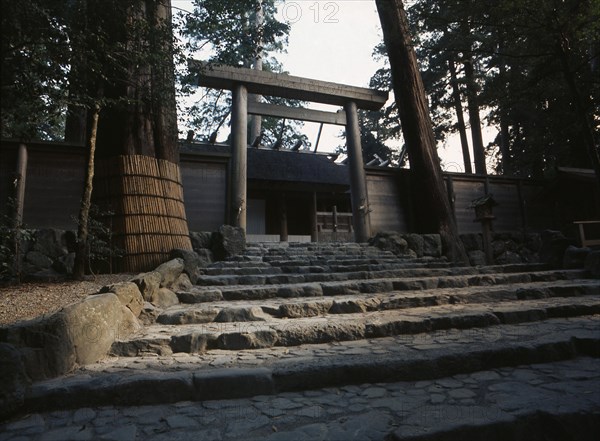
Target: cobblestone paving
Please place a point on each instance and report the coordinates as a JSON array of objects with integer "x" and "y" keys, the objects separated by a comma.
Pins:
[{"x": 354, "y": 412}]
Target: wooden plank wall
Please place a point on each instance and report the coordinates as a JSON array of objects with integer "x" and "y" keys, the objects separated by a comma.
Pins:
[
  {"x": 385, "y": 201},
  {"x": 204, "y": 193},
  {"x": 389, "y": 199},
  {"x": 53, "y": 187},
  {"x": 56, "y": 173}
]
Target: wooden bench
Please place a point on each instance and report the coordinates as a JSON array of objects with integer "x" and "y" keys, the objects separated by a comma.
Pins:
[{"x": 585, "y": 242}]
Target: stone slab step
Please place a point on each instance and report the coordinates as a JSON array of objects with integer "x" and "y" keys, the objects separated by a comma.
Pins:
[
  {"x": 321, "y": 274},
  {"x": 213, "y": 376},
  {"x": 550, "y": 401},
  {"x": 310, "y": 307},
  {"x": 165, "y": 339},
  {"x": 250, "y": 292}
]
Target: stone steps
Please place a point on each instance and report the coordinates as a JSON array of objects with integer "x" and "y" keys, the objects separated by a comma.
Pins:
[
  {"x": 311, "y": 306},
  {"x": 308, "y": 274},
  {"x": 253, "y": 333},
  {"x": 222, "y": 374},
  {"x": 388, "y": 348},
  {"x": 300, "y": 288}
]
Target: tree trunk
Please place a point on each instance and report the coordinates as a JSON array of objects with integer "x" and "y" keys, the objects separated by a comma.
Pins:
[
  {"x": 426, "y": 172},
  {"x": 82, "y": 249},
  {"x": 462, "y": 129},
  {"x": 474, "y": 120},
  {"x": 139, "y": 178},
  {"x": 582, "y": 105}
]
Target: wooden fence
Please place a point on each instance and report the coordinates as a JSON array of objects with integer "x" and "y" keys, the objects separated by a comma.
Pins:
[{"x": 55, "y": 176}]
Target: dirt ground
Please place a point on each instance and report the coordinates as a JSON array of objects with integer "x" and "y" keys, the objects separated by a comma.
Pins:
[{"x": 29, "y": 300}]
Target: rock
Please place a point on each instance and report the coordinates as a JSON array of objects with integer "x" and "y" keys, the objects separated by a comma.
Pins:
[
  {"x": 201, "y": 240},
  {"x": 390, "y": 241},
  {"x": 193, "y": 343},
  {"x": 191, "y": 263},
  {"x": 205, "y": 256},
  {"x": 248, "y": 314},
  {"x": 247, "y": 340},
  {"x": 187, "y": 316},
  {"x": 228, "y": 241},
  {"x": 432, "y": 245},
  {"x": 508, "y": 257},
  {"x": 592, "y": 263},
  {"x": 79, "y": 334},
  {"x": 148, "y": 284},
  {"x": 64, "y": 264},
  {"x": 170, "y": 271},
  {"x": 415, "y": 243},
  {"x": 200, "y": 296},
  {"x": 477, "y": 258},
  {"x": 129, "y": 295},
  {"x": 164, "y": 298},
  {"x": 575, "y": 257},
  {"x": 50, "y": 242},
  {"x": 38, "y": 260},
  {"x": 149, "y": 314},
  {"x": 533, "y": 242},
  {"x": 553, "y": 248},
  {"x": 14, "y": 380},
  {"x": 472, "y": 242},
  {"x": 183, "y": 283}
]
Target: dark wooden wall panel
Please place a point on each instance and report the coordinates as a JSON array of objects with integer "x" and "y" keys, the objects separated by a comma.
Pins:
[
  {"x": 466, "y": 191},
  {"x": 508, "y": 211},
  {"x": 205, "y": 194},
  {"x": 385, "y": 202},
  {"x": 54, "y": 187}
]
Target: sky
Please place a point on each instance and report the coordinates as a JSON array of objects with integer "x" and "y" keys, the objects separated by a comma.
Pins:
[{"x": 334, "y": 41}]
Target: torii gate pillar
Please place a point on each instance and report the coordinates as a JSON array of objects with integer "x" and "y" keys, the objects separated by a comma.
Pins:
[
  {"x": 358, "y": 181},
  {"x": 239, "y": 156}
]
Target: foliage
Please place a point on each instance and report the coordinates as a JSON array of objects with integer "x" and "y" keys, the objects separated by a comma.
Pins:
[
  {"x": 527, "y": 56},
  {"x": 12, "y": 238},
  {"x": 100, "y": 246},
  {"x": 228, "y": 31}
]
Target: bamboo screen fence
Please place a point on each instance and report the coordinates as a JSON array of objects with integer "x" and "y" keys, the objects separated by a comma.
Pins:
[{"x": 145, "y": 195}]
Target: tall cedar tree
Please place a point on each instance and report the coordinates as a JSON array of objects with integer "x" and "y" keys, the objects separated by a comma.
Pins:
[{"x": 426, "y": 174}]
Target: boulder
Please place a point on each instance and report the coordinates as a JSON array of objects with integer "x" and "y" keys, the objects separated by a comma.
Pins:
[
  {"x": 164, "y": 298},
  {"x": 38, "y": 260},
  {"x": 50, "y": 242},
  {"x": 248, "y": 314},
  {"x": 390, "y": 241},
  {"x": 64, "y": 264},
  {"x": 508, "y": 257},
  {"x": 206, "y": 257},
  {"x": 170, "y": 271},
  {"x": 128, "y": 294},
  {"x": 415, "y": 243},
  {"x": 182, "y": 283},
  {"x": 14, "y": 380},
  {"x": 79, "y": 334},
  {"x": 191, "y": 263},
  {"x": 553, "y": 248},
  {"x": 228, "y": 241},
  {"x": 592, "y": 263},
  {"x": 201, "y": 240},
  {"x": 477, "y": 258},
  {"x": 575, "y": 257},
  {"x": 148, "y": 284},
  {"x": 472, "y": 242},
  {"x": 432, "y": 245}
]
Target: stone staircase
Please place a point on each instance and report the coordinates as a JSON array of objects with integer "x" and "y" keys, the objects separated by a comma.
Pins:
[{"x": 303, "y": 317}]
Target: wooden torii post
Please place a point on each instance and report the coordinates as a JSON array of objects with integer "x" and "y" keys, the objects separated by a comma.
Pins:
[{"x": 242, "y": 81}]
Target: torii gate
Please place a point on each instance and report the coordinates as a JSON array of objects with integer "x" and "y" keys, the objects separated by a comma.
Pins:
[{"x": 242, "y": 81}]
